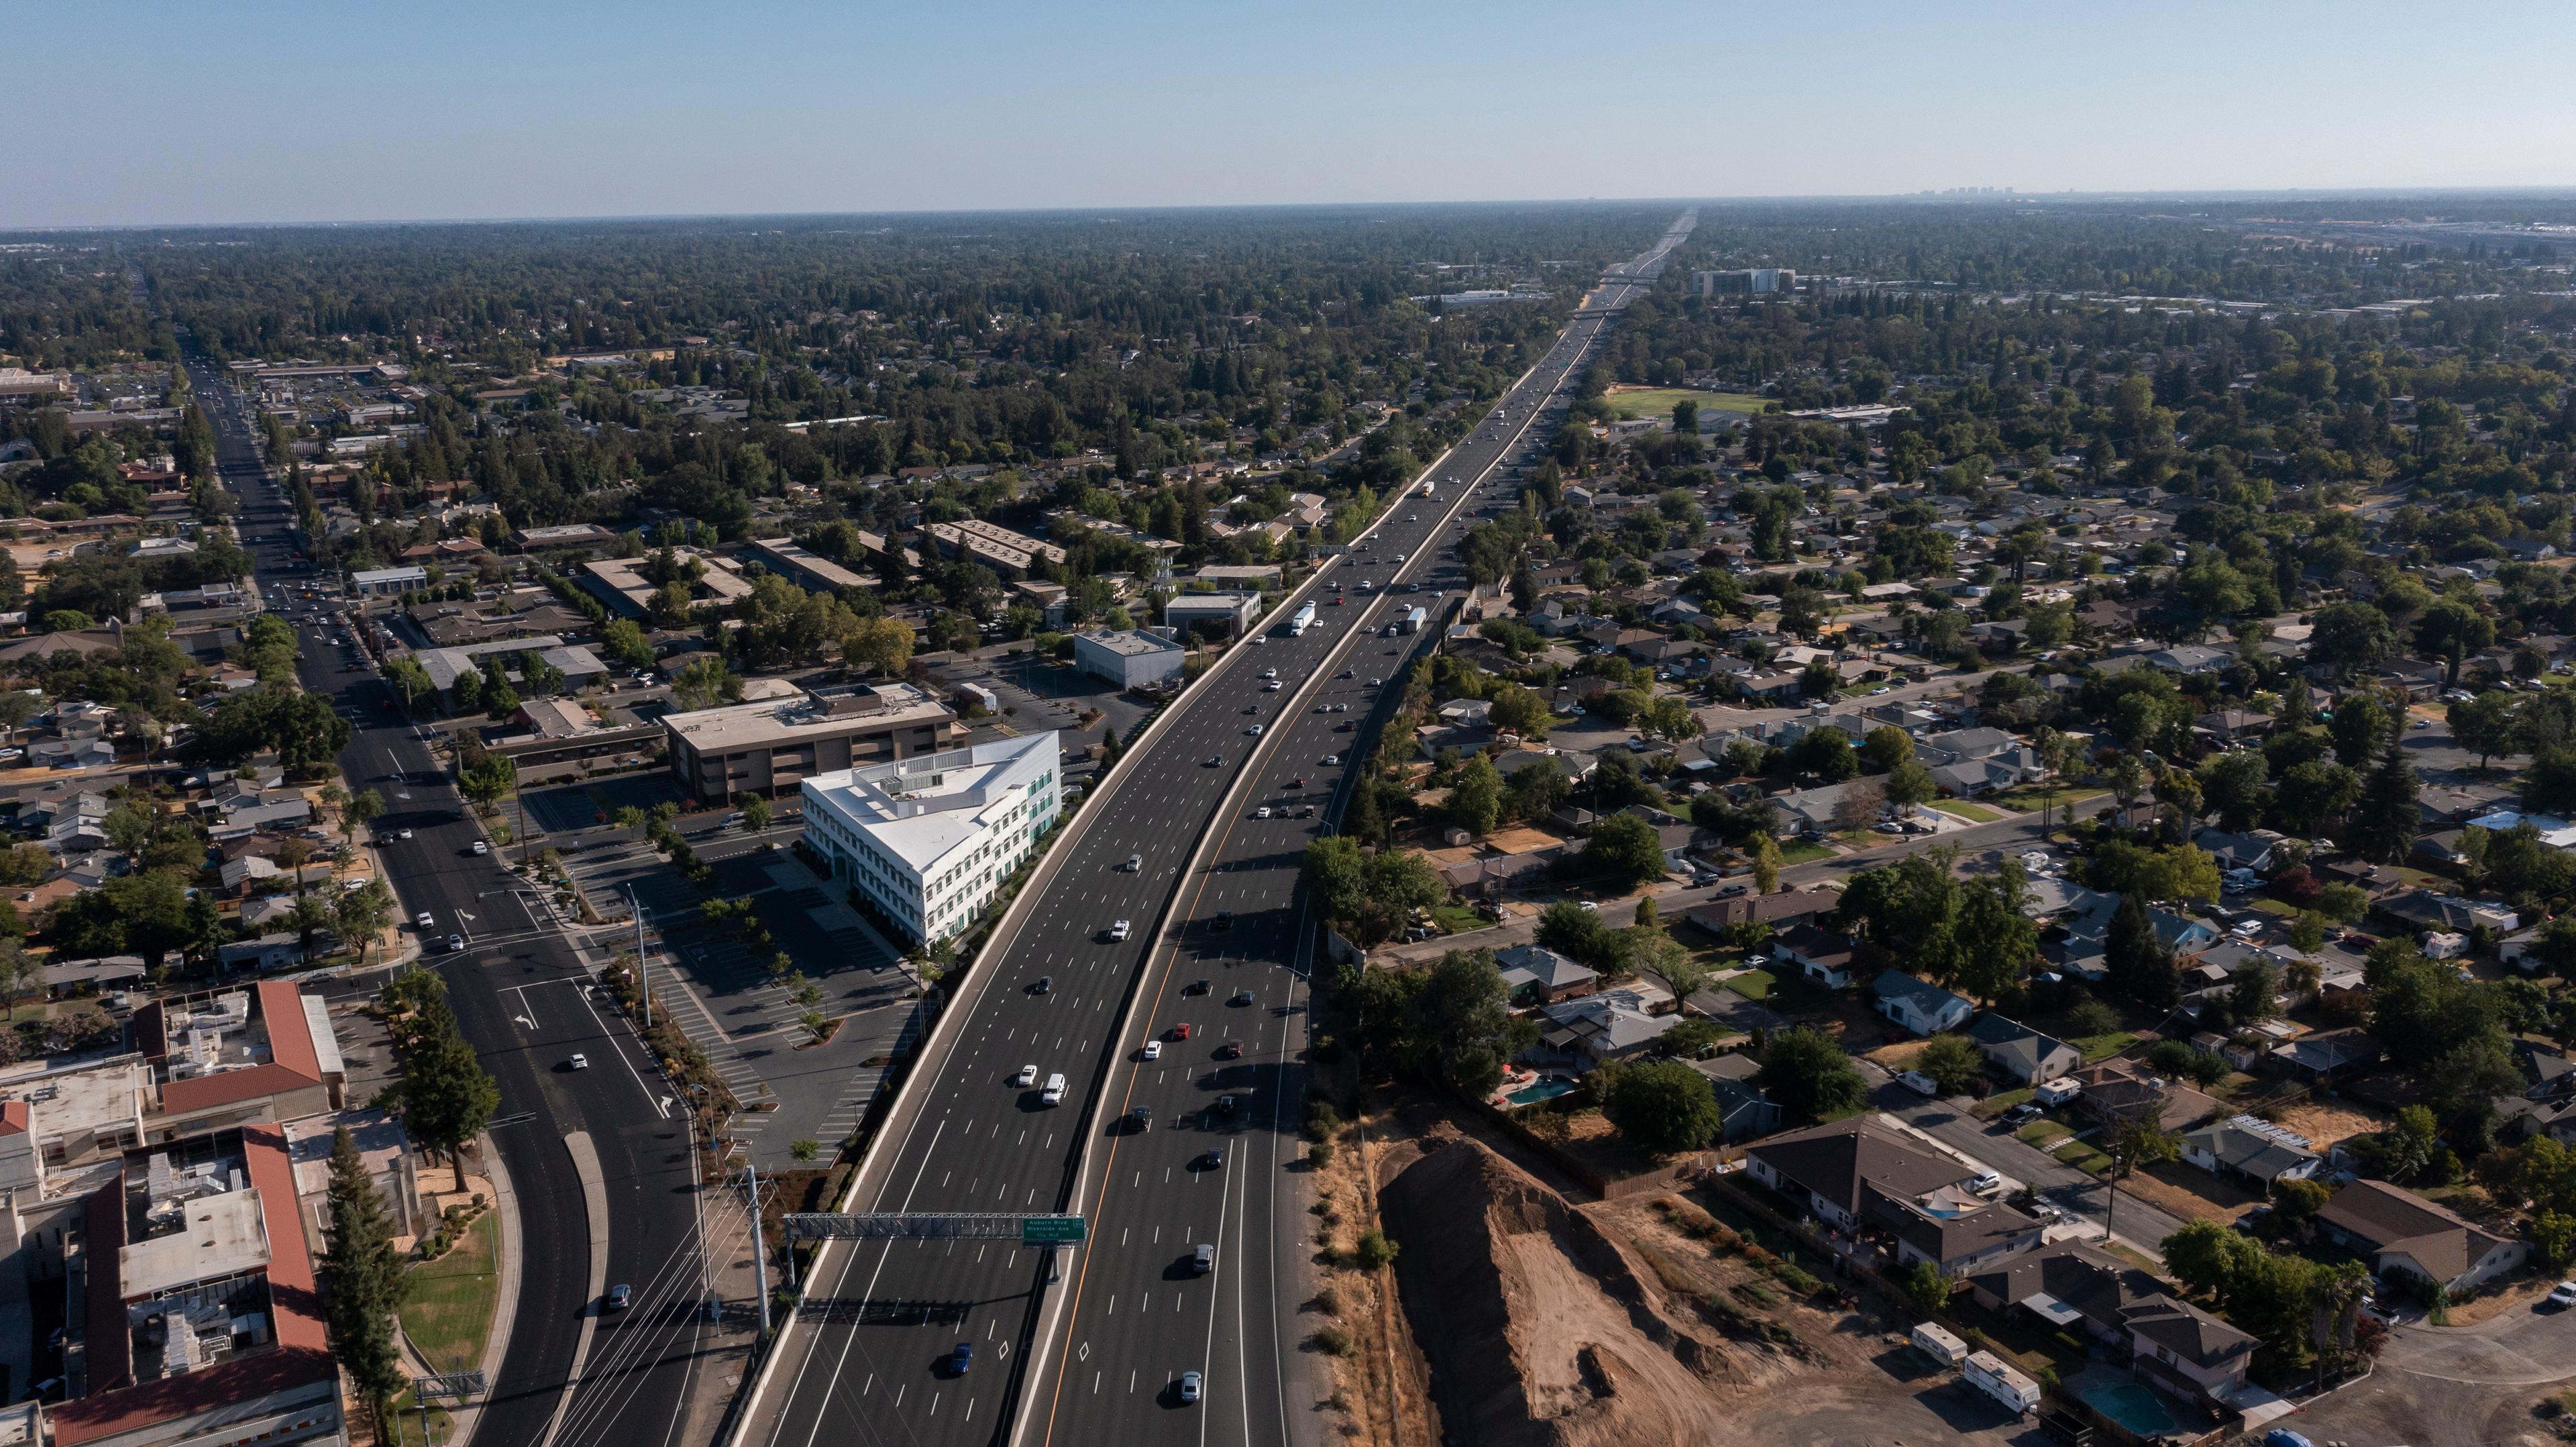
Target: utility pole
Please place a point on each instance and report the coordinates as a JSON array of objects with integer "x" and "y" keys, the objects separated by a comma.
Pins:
[
  {"x": 760, "y": 1253},
  {"x": 643, "y": 982}
]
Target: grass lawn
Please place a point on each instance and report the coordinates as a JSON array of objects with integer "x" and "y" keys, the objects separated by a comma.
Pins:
[
  {"x": 1752, "y": 984},
  {"x": 1658, "y": 401},
  {"x": 2028, "y": 800},
  {"x": 1803, "y": 851},
  {"x": 1973, "y": 813},
  {"x": 2274, "y": 906},
  {"x": 449, "y": 1315},
  {"x": 2098, "y": 1048},
  {"x": 1457, "y": 918},
  {"x": 1999, "y": 1102},
  {"x": 2083, "y": 1157},
  {"x": 2043, "y": 1133}
]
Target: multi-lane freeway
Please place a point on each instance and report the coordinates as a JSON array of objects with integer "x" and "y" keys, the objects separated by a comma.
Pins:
[
  {"x": 1183, "y": 1046},
  {"x": 523, "y": 997}
]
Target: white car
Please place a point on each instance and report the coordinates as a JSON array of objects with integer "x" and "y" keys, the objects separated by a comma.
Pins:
[
  {"x": 2564, "y": 1296},
  {"x": 1153, "y": 1049},
  {"x": 1331, "y": 759},
  {"x": 1261, "y": 813},
  {"x": 1119, "y": 930},
  {"x": 482, "y": 847},
  {"x": 426, "y": 920},
  {"x": 1028, "y": 1076},
  {"x": 1190, "y": 1386},
  {"x": 580, "y": 1062}
]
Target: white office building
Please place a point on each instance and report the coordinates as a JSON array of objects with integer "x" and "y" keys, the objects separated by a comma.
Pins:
[
  {"x": 1130, "y": 658},
  {"x": 930, "y": 838}
]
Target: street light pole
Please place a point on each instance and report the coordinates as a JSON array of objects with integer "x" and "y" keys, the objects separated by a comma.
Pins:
[{"x": 643, "y": 981}]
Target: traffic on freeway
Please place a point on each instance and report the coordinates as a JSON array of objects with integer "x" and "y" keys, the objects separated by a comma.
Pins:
[{"x": 1179, "y": 1040}]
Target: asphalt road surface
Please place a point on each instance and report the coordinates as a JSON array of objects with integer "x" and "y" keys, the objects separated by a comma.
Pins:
[
  {"x": 524, "y": 1000},
  {"x": 870, "y": 1358}
]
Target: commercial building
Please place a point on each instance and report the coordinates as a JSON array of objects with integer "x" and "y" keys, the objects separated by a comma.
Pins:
[
  {"x": 929, "y": 840},
  {"x": 1230, "y": 613},
  {"x": 621, "y": 582},
  {"x": 570, "y": 535},
  {"x": 579, "y": 666},
  {"x": 775, "y": 744},
  {"x": 998, "y": 548},
  {"x": 805, "y": 570},
  {"x": 1128, "y": 659},
  {"x": 1750, "y": 281},
  {"x": 385, "y": 582}
]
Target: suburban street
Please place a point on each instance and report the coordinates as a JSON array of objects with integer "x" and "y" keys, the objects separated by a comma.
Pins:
[
  {"x": 1213, "y": 898},
  {"x": 599, "y": 1158}
]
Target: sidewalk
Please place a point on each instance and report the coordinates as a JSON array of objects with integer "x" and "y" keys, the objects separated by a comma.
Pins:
[{"x": 724, "y": 1355}]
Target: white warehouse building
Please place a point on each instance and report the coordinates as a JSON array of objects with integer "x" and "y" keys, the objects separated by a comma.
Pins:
[{"x": 929, "y": 839}]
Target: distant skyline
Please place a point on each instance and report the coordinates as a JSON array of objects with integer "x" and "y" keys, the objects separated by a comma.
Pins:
[{"x": 167, "y": 114}]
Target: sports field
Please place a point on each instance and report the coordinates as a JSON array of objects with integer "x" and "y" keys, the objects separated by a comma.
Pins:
[{"x": 1632, "y": 402}]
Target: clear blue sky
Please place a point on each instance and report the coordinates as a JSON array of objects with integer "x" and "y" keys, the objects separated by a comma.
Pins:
[{"x": 154, "y": 112}]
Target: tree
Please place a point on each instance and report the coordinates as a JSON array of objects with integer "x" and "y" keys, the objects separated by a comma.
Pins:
[
  {"x": 699, "y": 683},
  {"x": 308, "y": 918},
  {"x": 2348, "y": 636},
  {"x": 1766, "y": 864},
  {"x": 1825, "y": 753},
  {"x": 2486, "y": 725},
  {"x": 2204, "y": 1256},
  {"x": 1336, "y": 878},
  {"x": 1622, "y": 852},
  {"x": 1910, "y": 784},
  {"x": 487, "y": 778},
  {"x": 363, "y": 1280},
  {"x": 626, "y": 643},
  {"x": 2360, "y": 727},
  {"x": 446, "y": 1097},
  {"x": 1663, "y": 1106},
  {"x": 2137, "y": 962},
  {"x": 1579, "y": 935},
  {"x": 1888, "y": 746},
  {"x": 1810, "y": 1076},
  {"x": 2231, "y": 784},
  {"x": 2453, "y": 630},
  {"x": 362, "y": 914},
  {"x": 1476, "y": 796},
  {"x": 755, "y": 812},
  {"x": 1927, "y": 1290},
  {"x": 882, "y": 644},
  {"x": 1463, "y": 1013},
  {"x": 363, "y": 809},
  {"x": 1951, "y": 1062},
  {"x": 2384, "y": 822}
]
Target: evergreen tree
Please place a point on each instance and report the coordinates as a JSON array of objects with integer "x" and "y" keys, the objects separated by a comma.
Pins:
[
  {"x": 2136, "y": 960},
  {"x": 2383, "y": 823},
  {"x": 1110, "y": 748},
  {"x": 363, "y": 1279},
  {"x": 446, "y": 1096}
]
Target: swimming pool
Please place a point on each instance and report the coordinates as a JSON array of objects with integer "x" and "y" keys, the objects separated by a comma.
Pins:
[
  {"x": 1532, "y": 1094},
  {"x": 2132, "y": 1406}
]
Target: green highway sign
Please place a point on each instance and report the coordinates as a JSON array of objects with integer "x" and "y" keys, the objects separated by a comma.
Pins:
[{"x": 1050, "y": 1230}]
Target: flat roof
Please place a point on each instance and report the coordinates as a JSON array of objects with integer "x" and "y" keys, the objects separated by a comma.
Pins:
[
  {"x": 773, "y": 721},
  {"x": 225, "y": 1236},
  {"x": 798, "y": 559},
  {"x": 1134, "y": 643},
  {"x": 922, "y": 809},
  {"x": 389, "y": 575}
]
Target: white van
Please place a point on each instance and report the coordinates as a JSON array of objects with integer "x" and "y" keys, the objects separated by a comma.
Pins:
[{"x": 1054, "y": 1092}]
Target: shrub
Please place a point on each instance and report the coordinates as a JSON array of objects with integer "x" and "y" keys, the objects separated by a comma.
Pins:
[
  {"x": 1331, "y": 1341},
  {"x": 1374, "y": 1251}
]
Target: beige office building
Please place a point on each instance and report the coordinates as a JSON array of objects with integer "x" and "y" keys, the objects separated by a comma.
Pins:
[{"x": 773, "y": 746}]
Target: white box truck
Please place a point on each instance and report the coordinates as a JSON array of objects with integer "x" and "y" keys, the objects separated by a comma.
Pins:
[
  {"x": 1303, "y": 619},
  {"x": 1940, "y": 1344},
  {"x": 1987, "y": 1373}
]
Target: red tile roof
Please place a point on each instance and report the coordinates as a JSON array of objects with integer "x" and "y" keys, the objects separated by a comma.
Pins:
[{"x": 293, "y": 1061}]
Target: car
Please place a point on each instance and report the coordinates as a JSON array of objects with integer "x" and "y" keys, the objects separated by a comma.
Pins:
[
  {"x": 1224, "y": 921},
  {"x": 1195, "y": 987},
  {"x": 1052, "y": 1093},
  {"x": 1875, "y": 692},
  {"x": 1216, "y": 761},
  {"x": 1273, "y": 686},
  {"x": 426, "y": 920},
  {"x": 1225, "y": 1105},
  {"x": 1120, "y": 929},
  {"x": 620, "y": 1297},
  {"x": 1252, "y": 708},
  {"x": 1297, "y": 783},
  {"x": 1261, "y": 813},
  {"x": 1153, "y": 1049},
  {"x": 1377, "y": 683},
  {"x": 961, "y": 1359},
  {"x": 455, "y": 942},
  {"x": 481, "y": 847},
  {"x": 1027, "y": 1077},
  {"x": 1045, "y": 985},
  {"x": 1341, "y": 708},
  {"x": 580, "y": 1061},
  {"x": 1141, "y": 1119},
  {"x": 1986, "y": 1183},
  {"x": 1190, "y": 1383},
  {"x": 1203, "y": 1258},
  {"x": 1918, "y": 1082},
  {"x": 2421, "y": 723},
  {"x": 2023, "y": 1114},
  {"x": 402, "y": 834},
  {"x": 1213, "y": 1158},
  {"x": 1135, "y": 862},
  {"x": 1254, "y": 731},
  {"x": 1331, "y": 760},
  {"x": 1270, "y": 673},
  {"x": 2246, "y": 928},
  {"x": 1181, "y": 1030},
  {"x": 2561, "y": 1296},
  {"x": 1347, "y": 673},
  {"x": 1230, "y": 1050}
]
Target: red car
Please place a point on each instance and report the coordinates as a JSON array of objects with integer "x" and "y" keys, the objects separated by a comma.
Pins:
[{"x": 1181, "y": 1031}]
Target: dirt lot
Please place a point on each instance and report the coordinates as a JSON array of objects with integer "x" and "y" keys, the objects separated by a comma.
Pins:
[
  {"x": 2190, "y": 1192},
  {"x": 2326, "y": 1122},
  {"x": 1551, "y": 1324}
]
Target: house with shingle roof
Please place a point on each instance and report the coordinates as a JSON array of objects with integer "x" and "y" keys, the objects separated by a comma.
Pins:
[
  {"x": 2251, "y": 1149},
  {"x": 1864, "y": 1172},
  {"x": 1919, "y": 1005},
  {"x": 2402, "y": 1232},
  {"x": 2020, "y": 1054}
]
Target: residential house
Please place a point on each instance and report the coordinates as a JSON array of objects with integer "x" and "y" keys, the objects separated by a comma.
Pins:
[
  {"x": 1918, "y": 1005},
  {"x": 2402, "y": 1232},
  {"x": 2118, "y": 1091},
  {"x": 2327, "y": 1054},
  {"x": 1782, "y": 910},
  {"x": 1598, "y": 1027},
  {"x": 1744, "y": 1111},
  {"x": 1822, "y": 955},
  {"x": 1534, "y": 974},
  {"x": 2251, "y": 1149},
  {"x": 2020, "y": 1054},
  {"x": 2237, "y": 851},
  {"x": 1863, "y": 1173}
]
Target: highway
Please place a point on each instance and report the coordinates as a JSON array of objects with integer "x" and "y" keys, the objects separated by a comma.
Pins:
[
  {"x": 869, "y": 1358},
  {"x": 523, "y": 997}
]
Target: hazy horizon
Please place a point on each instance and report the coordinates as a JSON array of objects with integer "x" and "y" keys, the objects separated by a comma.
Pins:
[{"x": 296, "y": 114}]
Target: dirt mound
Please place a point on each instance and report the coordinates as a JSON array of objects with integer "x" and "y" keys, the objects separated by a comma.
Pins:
[{"x": 1539, "y": 1330}]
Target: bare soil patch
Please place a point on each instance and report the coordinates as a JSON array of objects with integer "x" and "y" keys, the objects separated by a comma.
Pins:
[
  {"x": 2326, "y": 1122},
  {"x": 2190, "y": 1193}
]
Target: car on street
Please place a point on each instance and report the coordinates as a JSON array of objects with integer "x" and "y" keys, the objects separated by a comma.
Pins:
[
  {"x": 1213, "y": 1158},
  {"x": 961, "y": 1360},
  {"x": 1230, "y": 1050},
  {"x": 1044, "y": 986},
  {"x": 579, "y": 1061},
  {"x": 1261, "y": 813},
  {"x": 2561, "y": 1297},
  {"x": 402, "y": 834},
  {"x": 1241, "y": 997},
  {"x": 1224, "y": 921},
  {"x": 1135, "y": 862},
  {"x": 1027, "y": 1077},
  {"x": 1203, "y": 1258},
  {"x": 619, "y": 1297},
  {"x": 1141, "y": 1119},
  {"x": 1190, "y": 1382},
  {"x": 426, "y": 920},
  {"x": 455, "y": 943},
  {"x": 1153, "y": 1049},
  {"x": 1119, "y": 929},
  {"x": 481, "y": 847}
]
